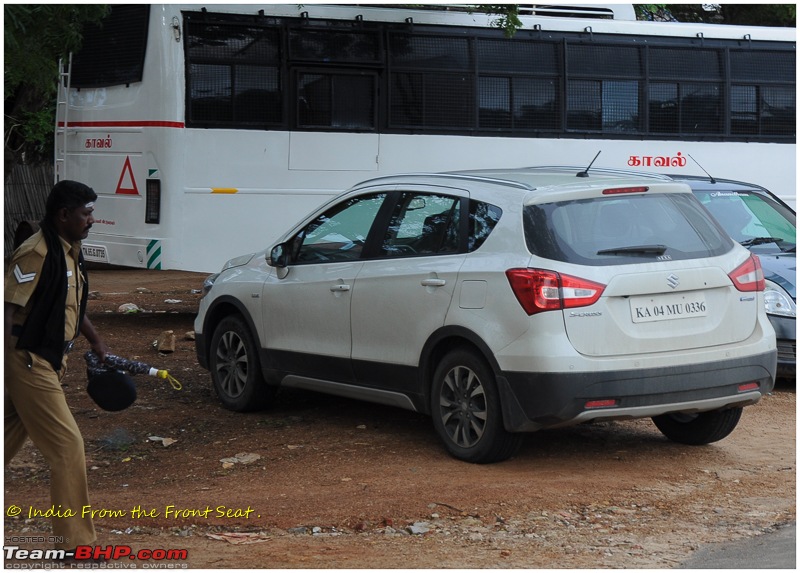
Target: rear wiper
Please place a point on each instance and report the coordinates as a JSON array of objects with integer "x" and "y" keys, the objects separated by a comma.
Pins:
[
  {"x": 635, "y": 250},
  {"x": 760, "y": 241}
]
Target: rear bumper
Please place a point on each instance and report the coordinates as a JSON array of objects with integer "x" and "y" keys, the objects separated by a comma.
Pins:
[
  {"x": 532, "y": 401},
  {"x": 137, "y": 252}
]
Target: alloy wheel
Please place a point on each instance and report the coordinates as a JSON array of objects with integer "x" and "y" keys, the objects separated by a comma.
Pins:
[
  {"x": 462, "y": 406},
  {"x": 232, "y": 364}
]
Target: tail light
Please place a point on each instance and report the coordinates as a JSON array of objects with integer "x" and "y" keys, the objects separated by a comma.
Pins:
[
  {"x": 152, "y": 209},
  {"x": 749, "y": 277},
  {"x": 539, "y": 290}
]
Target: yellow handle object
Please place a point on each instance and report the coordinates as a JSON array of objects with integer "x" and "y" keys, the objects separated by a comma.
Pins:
[{"x": 164, "y": 375}]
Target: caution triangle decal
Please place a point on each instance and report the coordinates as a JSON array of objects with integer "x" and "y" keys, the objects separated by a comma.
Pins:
[{"x": 127, "y": 182}]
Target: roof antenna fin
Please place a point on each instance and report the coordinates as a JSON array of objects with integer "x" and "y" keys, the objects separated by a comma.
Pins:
[
  {"x": 585, "y": 172},
  {"x": 710, "y": 177}
]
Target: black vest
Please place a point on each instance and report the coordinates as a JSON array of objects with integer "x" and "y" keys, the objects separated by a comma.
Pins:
[{"x": 43, "y": 331}]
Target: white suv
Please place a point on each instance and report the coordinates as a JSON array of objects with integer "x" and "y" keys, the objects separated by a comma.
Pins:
[{"x": 501, "y": 302}]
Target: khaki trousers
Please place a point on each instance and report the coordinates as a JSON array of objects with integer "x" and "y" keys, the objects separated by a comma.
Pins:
[{"x": 35, "y": 407}]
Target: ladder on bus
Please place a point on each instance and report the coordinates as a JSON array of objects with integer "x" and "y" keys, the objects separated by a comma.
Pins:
[{"x": 62, "y": 112}]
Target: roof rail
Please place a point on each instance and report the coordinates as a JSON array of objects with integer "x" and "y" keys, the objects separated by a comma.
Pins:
[
  {"x": 604, "y": 171},
  {"x": 449, "y": 176}
]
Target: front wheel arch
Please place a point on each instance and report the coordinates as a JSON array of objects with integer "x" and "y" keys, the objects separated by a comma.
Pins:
[{"x": 221, "y": 308}]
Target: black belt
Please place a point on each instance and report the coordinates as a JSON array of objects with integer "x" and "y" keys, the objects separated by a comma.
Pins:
[{"x": 16, "y": 330}]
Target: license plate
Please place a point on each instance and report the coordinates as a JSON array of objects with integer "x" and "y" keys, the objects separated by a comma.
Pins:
[
  {"x": 668, "y": 307},
  {"x": 95, "y": 253}
]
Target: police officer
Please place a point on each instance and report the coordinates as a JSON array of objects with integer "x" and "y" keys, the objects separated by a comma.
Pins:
[{"x": 45, "y": 306}]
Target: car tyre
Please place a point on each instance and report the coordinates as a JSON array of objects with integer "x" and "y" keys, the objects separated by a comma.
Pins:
[
  {"x": 235, "y": 367},
  {"x": 698, "y": 429},
  {"x": 465, "y": 406}
]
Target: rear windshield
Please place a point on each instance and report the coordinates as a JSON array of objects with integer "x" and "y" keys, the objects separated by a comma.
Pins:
[
  {"x": 624, "y": 230},
  {"x": 113, "y": 52}
]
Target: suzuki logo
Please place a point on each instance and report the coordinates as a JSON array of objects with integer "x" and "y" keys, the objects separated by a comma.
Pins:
[{"x": 673, "y": 281}]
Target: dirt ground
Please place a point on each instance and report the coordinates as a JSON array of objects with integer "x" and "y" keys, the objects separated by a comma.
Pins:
[{"x": 343, "y": 484}]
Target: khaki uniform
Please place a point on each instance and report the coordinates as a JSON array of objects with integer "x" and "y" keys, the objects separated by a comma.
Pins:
[{"x": 35, "y": 405}]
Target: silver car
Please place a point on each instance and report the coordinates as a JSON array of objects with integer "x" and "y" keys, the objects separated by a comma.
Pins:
[
  {"x": 501, "y": 302},
  {"x": 759, "y": 221}
]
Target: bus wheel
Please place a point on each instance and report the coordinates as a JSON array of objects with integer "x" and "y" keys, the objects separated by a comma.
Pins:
[{"x": 235, "y": 368}]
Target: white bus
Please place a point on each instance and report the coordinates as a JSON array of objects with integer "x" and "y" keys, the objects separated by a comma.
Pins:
[{"x": 207, "y": 130}]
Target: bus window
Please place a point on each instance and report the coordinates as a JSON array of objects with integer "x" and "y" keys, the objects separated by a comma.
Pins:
[
  {"x": 334, "y": 45},
  {"x": 777, "y": 106},
  {"x": 433, "y": 85},
  {"x": 603, "y": 105},
  {"x": 233, "y": 74},
  {"x": 339, "y": 100},
  {"x": 113, "y": 53},
  {"x": 758, "y": 109},
  {"x": 512, "y": 93},
  {"x": 595, "y": 102},
  {"x": 686, "y": 91}
]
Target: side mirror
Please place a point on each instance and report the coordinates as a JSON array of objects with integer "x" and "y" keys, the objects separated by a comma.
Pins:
[{"x": 278, "y": 257}]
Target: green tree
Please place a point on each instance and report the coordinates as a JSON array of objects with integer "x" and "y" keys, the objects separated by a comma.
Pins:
[
  {"x": 784, "y": 15},
  {"x": 781, "y": 15},
  {"x": 36, "y": 37},
  {"x": 507, "y": 16}
]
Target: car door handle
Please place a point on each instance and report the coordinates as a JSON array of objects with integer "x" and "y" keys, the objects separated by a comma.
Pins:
[
  {"x": 340, "y": 288},
  {"x": 433, "y": 282}
]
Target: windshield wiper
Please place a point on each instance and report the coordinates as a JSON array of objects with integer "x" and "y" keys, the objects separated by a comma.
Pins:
[
  {"x": 635, "y": 250},
  {"x": 760, "y": 241}
]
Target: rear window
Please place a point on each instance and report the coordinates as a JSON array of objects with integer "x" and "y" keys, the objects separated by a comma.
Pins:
[
  {"x": 624, "y": 230},
  {"x": 483, "y": 218},
  {"x": 113, "y": 52}
]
